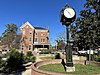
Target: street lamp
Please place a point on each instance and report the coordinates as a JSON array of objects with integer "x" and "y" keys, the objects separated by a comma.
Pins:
[{"x": 68, "y": 16}]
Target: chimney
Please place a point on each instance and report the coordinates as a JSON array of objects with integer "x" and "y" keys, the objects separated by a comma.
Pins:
[{"x": 46, "y": 27}]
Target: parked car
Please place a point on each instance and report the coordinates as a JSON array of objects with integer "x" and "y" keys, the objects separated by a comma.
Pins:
[{"x": 82, "y": 53}]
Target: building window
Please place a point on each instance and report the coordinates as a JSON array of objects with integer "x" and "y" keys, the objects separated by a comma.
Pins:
[
  {"x": 42, "y": 34},
  {"x": 23, "y": 39},
  {"x": 22, "y": 47},
  {"x": 29, "y": 47},
  {"x": 30, "y": 32},
  {"x": 35, "y": 33},
  {"x": 26, "y": 26},
  {"x": 42, "y": 40},
  {"x": 30, "y": 39},
  {"x": 35, "y": 40},
  {"x": 23, "y": 31}
]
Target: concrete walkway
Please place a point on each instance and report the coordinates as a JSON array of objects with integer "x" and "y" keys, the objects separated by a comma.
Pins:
[
  {"x": 38, "y": 59},
  {"x": 27, "y": 72}
]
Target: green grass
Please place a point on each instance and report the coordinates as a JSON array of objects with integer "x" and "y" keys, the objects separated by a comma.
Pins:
[{"x": 79, "y": 69}]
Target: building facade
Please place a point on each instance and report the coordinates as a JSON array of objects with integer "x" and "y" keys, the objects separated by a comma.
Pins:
[{"x": 33, "y": 38}]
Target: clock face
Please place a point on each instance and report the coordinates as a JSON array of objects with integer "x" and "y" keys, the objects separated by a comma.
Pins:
[{"x": 69, "y": 13}]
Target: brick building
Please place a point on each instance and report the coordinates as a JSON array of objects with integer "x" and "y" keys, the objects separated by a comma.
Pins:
[{"x": 33, "y": 38}]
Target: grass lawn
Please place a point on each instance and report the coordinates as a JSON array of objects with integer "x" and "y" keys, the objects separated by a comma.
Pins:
[{"x": 79, "y": 69}]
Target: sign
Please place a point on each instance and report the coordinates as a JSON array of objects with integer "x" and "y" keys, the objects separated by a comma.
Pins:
[{"x": 89, "y": 51}]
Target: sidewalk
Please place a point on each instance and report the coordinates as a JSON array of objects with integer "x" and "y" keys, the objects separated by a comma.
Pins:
[
  {"x": 27, "y": 72},
  {"x": 38, "y": 59}
]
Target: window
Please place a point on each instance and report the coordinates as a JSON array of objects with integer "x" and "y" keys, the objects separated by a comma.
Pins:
[
  {"x": 30, "y": 39},
  {"x": 30, "y": 32},
  {"x": 23, "y": 31},
  {"x": 23, "y": 39},
  {"x": 35, "y": 40},
  {"x": 42, "y": 40},
  {"x": 42, "y": 34},
  {"x": 26, "y": 26},
  {"x": 35, "y": 33},
  {"x": 22, "y": 47},
  {"x": 29, "y": 47}
]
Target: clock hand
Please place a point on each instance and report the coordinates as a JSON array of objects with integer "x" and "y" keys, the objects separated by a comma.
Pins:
[{"x": 69, "y": 13}]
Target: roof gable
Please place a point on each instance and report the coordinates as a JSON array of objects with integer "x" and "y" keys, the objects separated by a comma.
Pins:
[{"x": 27, "y": 23}]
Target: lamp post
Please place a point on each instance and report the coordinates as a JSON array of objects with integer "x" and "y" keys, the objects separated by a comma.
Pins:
[{"x": 68, "y": 16}]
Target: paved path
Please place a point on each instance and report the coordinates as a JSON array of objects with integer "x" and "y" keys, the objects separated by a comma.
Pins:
[
  {"x": 38, "y": 59},
  {"x": 27, "y": 72}
]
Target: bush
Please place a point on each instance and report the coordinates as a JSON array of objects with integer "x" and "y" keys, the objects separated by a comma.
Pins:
[
  {"x": 29, "y": 54},
  {"x": 99, "y": 59},
  {"x": 98, "y": 53},
  {"x": 96, "y": 58},
  {"x": 33, "y": 59},
  {"x": 29, "y": 57},
  {"x": 26, "y": 59},
  {"x": 58, "y": 56},
  {"x": 14, "y": 61},
  {"x": 0, "y": 62},
  {"x": 45, "y": 51},
  {"x": 48, "y": 51}
]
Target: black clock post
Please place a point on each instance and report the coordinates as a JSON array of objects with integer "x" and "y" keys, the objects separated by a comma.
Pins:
[{"x": 68, "y": 16}]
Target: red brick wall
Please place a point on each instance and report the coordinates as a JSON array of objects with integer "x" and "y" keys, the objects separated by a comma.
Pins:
[
  {"x": 42, "y": 35},
  {"x": 27, "y": 35}
]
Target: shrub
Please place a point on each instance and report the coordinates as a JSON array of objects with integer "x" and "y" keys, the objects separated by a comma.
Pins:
[
  {"x": 48, "y": 51},
  {"x": 0, "y": 62},
  {"x": 57, "y": 56},
  {"x": 45, "y": 51},
  {"x": 96, "y": 58},
  {"x": 26, "y": 59},
  {"x": 14, "y": 61},
  {"x": 29, "y": 54},
  {"x": 33, "y": 59},
  {"x": 29, "y": 57},
  {"x": 98, "y": 53}
]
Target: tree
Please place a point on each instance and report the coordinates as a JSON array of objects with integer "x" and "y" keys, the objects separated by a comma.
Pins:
[
  {"x": 9, "y": 36},
  {"x": 16, "y": 42},
  {"x": 14, "y": 61},
  {"x": 0, "y": 61},
  {"x": 60, "y": 41},
  {"x": 86, "y": 30}
]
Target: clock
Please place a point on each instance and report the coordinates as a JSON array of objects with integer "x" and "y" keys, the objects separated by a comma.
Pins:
[{"x": 69, "y": 13}]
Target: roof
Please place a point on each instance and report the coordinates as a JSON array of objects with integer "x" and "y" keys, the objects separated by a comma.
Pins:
[
  {"x": 33, "y": 27},
  {"x": 40, "y": 28},
  {"x": 27, "y": 23}
]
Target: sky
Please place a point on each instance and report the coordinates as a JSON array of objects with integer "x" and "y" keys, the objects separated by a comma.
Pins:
[{"x": 43, "y": 13}]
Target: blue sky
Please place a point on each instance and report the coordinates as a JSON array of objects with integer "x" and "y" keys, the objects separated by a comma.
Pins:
[{"x": 38, "y": 12}]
